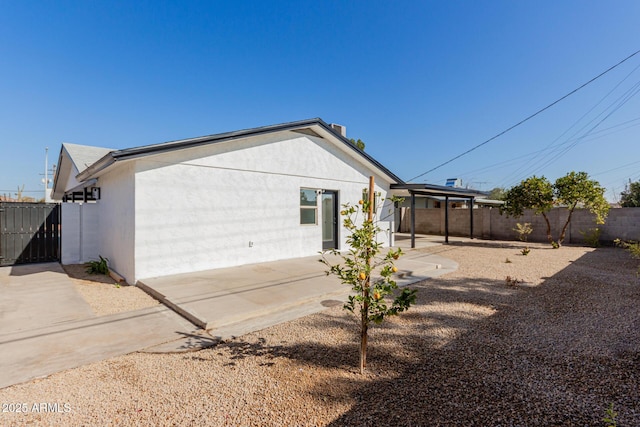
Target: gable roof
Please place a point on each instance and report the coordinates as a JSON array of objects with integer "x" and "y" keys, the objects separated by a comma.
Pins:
[
  {"x": 74, "y": 159},
  {"x": 316, "y": 127},
  {"x": 83, "y": 156}
]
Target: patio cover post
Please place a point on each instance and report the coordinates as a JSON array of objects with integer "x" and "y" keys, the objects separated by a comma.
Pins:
[
  {"x": 413, "y": 219},
  {"x": 446, "y": 219},
  {"x": 471, "y": 216}
]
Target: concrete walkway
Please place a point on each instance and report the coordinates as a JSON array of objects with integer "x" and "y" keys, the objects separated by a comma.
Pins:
[
  {"x": 237, "y": 300},
  {"x": 47, "y": 327}
]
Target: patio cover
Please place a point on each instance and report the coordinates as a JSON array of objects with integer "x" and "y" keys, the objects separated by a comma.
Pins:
[{"x": 438, "y": 190}]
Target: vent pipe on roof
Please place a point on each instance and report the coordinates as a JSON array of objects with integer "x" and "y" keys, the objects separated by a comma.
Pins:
[{"x": 342, "y": 130}]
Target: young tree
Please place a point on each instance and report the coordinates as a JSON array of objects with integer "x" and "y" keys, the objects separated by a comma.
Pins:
[
  {"x": 360, "y": 263},
  {"x": 630, "y": 197},
  {"x": 575, "y": 190},
  {"x": 533, "y": 193}
]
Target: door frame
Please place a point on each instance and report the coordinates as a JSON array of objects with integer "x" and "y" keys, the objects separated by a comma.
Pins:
[{"x": 331, "y": 244}]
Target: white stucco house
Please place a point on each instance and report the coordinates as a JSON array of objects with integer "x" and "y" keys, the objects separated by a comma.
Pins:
[{"x": 216, "y": 201}]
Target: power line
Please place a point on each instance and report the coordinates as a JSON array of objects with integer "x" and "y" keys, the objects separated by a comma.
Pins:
[
  {"x": 527, "y": 118},
  {"x": 534, "y": 154},
  {"x": 588, "y": 132},
  {"x": 542, "y": 158}
]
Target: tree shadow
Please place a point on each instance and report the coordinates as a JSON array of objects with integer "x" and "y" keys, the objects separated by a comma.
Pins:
[
  {"x": 556, "y": 354},
  {"x": 477, "y": 351}
]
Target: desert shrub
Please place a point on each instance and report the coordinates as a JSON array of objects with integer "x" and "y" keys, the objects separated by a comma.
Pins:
[
  {"x": 98, "y": 267},
  {"x": 592, "y": 237},
  {"x": 523, "y": 231}
]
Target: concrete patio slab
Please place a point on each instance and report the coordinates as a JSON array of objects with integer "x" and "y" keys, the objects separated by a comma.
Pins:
[
  {"x": 38, "y": 294},
  {"x": 47, "y": 327},
  {"x": 233, "y": 301}
]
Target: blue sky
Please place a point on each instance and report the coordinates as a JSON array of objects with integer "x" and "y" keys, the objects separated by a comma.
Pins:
[{"x": 420, "y": 82}]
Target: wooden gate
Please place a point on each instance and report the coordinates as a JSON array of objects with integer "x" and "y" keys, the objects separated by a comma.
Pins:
[{"x": 29, "y": 232}]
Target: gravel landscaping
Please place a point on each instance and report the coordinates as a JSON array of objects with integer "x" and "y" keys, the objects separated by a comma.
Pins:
[
  {"x": 104, "y": 295},
  {"x": 554, "y": 345}
]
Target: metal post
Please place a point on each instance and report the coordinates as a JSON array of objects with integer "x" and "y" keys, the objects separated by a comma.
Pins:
[
  {"x": 446, "y": 219},
  {"x": 413, "y": 219},
  {"x": 471, "y": 216},
  {"x": 46, "y": 173}
]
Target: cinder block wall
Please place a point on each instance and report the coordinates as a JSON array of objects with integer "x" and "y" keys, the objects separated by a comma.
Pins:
[
  {"x": 622, "y": 223},
  {"x": 427, "y": 220}
]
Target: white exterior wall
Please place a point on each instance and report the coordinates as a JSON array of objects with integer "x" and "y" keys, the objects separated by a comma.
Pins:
[
  {"x": 199, "y": 208},
  {"x": 80, "y": 239},
  {"x": 72, "y": 182},
  {"x": 117, "y": 219}
]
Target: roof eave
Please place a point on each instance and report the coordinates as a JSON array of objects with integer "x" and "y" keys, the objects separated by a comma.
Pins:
[
  {"x": 437, "y": 190},
  {"x": 353, "y": 147},
  {"x": 106, "y": 161},
  {"x": 132, "y": 153}
]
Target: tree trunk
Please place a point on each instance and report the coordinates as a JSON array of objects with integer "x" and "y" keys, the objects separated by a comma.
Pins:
[
  {"x": 363, "y": 337},
  {"x": 549, "y": 236},
  {"x": 364, "y": 320},
  {"x": 566, "y": 224}
]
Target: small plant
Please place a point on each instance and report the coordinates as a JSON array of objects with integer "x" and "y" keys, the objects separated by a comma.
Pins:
[
  {"x": 523, "y": 231},
  {"x": 512, "y": 281},
  {"x": 507, "y": 261},
  {"x": 634, "y": 249},
  {"x": 525, "y": 251},
  {"x": 610, "y": 417},
  {"x": 555, "y": 245},
  {"x": 98, "y": 267},
  {"x": 631, "y": 246},
  {"x": 373, "y": 299},
  {"x": 592, "y": 237}
]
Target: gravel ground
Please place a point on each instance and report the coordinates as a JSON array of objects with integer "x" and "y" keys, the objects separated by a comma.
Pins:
[
  {"x": 555, "y": 345},
  {"x": 102, "y": 294}
]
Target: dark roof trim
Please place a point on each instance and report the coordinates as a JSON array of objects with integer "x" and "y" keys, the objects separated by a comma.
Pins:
[
  {"x": 438, "y": 190},
  {"x": 89, "y": 183},
  {"x": 131, "y": 153}
]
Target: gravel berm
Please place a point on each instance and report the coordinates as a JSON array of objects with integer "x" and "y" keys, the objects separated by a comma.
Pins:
[{"x": 547, "y": 339}]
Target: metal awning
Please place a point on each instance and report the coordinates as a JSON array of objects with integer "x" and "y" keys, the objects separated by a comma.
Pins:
[{"x": 438, "y": 190}]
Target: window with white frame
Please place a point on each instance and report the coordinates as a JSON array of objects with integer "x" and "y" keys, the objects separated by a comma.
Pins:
[{"x": 308, "y": 206}]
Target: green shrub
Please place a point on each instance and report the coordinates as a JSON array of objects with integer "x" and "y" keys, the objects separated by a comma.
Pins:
[
  {"x": 631, "y": 246},
  {"x": 592, "y": 237},
  {"x": 610, "y": 416},
  {"x": 634, "y": 249},
  {"x": 523, "y": 231},
  {"x": 98, "y": 267}
]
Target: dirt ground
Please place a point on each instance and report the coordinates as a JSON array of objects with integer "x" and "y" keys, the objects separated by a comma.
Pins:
[{"x": 553, "y": 345}]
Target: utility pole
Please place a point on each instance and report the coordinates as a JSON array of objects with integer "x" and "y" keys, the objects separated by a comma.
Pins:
[{"x": 46, "y": 179}]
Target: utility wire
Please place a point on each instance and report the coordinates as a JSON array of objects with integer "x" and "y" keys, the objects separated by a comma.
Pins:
[
  {"x": 501, "y": 165},
  {"x": 538, "y": 159},
  {"x": 580, "y": 139},
  {"x": 527, "y": 118}
]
